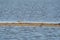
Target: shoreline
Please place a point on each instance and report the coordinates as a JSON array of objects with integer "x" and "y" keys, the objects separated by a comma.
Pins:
[{"x": 28, "y": 24}]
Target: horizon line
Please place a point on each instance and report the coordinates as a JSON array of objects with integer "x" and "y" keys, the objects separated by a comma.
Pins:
[{"x": 26, "y": 22}]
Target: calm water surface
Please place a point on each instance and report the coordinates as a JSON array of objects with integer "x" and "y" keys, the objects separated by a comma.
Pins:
[{"x": 29, "y": 33}]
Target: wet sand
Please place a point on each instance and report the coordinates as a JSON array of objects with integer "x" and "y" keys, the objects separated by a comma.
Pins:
[{"x": 28, "y": 24}]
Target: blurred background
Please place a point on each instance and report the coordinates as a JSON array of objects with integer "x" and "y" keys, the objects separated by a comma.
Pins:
[{"x": 30, "y": 10}]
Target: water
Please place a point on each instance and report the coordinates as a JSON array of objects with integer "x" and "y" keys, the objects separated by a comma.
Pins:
[
  {"x": 30, "y": 10},
  {"x": 29, "y": 33}
]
